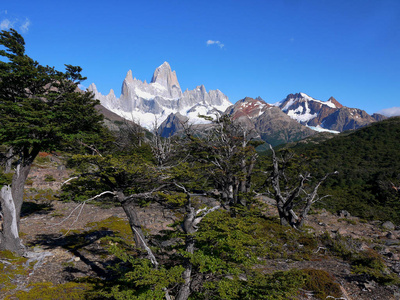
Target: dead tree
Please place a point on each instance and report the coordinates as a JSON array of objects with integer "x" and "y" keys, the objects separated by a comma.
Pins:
[
  {"x": 288, "y": 197},
  {"x": 227, "y": 151},
  {"x": 190, "y": 226},
  {"x": 160, "y": 147}
]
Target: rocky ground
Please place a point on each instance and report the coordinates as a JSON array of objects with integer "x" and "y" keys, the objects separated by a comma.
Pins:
[{"x": 45, "y": 224}]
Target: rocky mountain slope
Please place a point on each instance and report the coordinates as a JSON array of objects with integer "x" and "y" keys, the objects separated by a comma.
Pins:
[
  {"x": 271, "y": 124},
  {"x": 325, "y": 115},
  {"x": 162, "y": 103}
]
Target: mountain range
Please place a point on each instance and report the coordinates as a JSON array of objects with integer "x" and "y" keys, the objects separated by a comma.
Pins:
[
  {"x": 161, "y": 105},
  {"x": 151, "y": 103}
]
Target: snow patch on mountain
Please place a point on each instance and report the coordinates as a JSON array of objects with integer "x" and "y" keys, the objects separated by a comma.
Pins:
[
  {"x": 319, "y": 128},
  {"x": 145, "y": 102},
  {"x": 301, "y": 113}
]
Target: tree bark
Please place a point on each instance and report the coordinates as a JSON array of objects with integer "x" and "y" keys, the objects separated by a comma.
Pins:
[
  {"x": 185, "y": 291},
  {"x": 9, "y": 237},
  {"x": 134, "y": 221},
  {"x": 189, "y": 227},
  {"x": 18, "y": 186},
  {"x": 11, "y": 198}
]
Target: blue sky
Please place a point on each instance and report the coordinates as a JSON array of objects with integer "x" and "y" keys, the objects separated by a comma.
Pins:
[{"x": 346, "y": 49}]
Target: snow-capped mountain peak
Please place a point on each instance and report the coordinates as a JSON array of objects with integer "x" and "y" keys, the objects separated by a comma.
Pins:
[{"x": 146, "y": 103}]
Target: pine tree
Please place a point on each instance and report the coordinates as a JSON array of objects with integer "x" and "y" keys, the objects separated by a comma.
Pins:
[{"x": 40, "y": 110}]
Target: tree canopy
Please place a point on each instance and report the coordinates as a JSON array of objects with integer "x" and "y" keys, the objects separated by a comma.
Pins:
[{"x": 41, "y": 109}]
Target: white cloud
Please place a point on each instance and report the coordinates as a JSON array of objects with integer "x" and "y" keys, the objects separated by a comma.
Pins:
[
  {"x": 25, "y": 26},
  {"x": 5, "y": 24},
  {"x": 218, "y": 43},
  {"x": 390, "y": 112}
]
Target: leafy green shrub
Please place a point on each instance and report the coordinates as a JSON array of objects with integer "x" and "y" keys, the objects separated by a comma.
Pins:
[
  {"x": 49, "y": 178},
  {"x": 369, "y": 262},
  {"x": 321, "y": 283},
  {"x": 42, "y": 160},
  {"x": 5, "y": 178},
  {"x": 277, "y": 286},
  {"x": 341, "y": 246}
]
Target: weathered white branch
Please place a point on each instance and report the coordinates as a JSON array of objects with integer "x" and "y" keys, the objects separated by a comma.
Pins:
[
  {"x": 81, "y": 205},
  {"x": 68, "y": 180}
]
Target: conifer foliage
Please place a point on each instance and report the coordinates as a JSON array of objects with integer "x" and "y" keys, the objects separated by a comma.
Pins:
[{"x": 40, "y": 110}]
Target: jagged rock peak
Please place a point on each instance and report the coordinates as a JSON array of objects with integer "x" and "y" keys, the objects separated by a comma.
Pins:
[
  {"x": 164, "y": 76},
  {"x": 92, "y": 88},
  {"x": 129, "y": 76},
  {"x": 334, "y": 101},
  {"x": 260, "y": 99}
]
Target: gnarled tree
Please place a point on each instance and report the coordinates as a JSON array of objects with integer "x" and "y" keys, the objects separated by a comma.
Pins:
[
  {"x": 40, "y": 109},
  {"x": 292, "y": 195},
  {"x": 227, "y": 152}
]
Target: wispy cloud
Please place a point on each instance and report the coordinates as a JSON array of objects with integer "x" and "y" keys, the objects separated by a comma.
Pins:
[
  {"x": 218, "y": 43},
  {"x": 390, "y": 112},
  {"x": 7, "y": 22},
  {"x": 25, "y": 25}
]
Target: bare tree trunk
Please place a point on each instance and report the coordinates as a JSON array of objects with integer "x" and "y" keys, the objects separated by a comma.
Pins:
[
  {"x": 11, "y": 198},
  {"x": 134, "y": 221},
  {"x": 189, "y": 226},
  {"x": 18, "y": 186},
  {"x": 185, "y": 291},
  {"x": 9, "y": 237}
]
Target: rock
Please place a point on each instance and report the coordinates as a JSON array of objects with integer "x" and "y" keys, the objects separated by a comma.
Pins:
[
  {"x": 76, "y": 258},
  {"x": 37, "y": 249},
  {"x": 364, "y": 247},
  {"x": 392, "y": 256},
  {"x": 388, "y": 225},
  {"x": 343, "y": 214},
  {"x": 392, "y": 242},
  {"x": 390, "y": 235},
  {"x": 369, "y": 285}
]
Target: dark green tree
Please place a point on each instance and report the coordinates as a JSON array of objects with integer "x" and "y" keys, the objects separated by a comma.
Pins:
[{"x": 41, "y": 109}]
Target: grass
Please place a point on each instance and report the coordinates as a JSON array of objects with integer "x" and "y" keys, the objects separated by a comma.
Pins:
[
  {"x": 11, "y": 267},
  {"x": 48, "y": 291}
]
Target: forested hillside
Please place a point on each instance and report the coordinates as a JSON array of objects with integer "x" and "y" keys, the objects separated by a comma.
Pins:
[{"x": 368, "y": 161}]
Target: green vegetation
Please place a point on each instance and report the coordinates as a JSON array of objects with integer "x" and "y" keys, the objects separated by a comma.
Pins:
[
  {"x": 11, "y": 266},
  {"x": 41, "y": 109},
  {"x": 368, "y": 162},
  {"x": 49, "y": 178},
  {"x": 367, "y": 262},
  {"x": 48, "y": 291},
  {"x": 322, "y": 284},
  {"x": 227, "y": 261}
]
